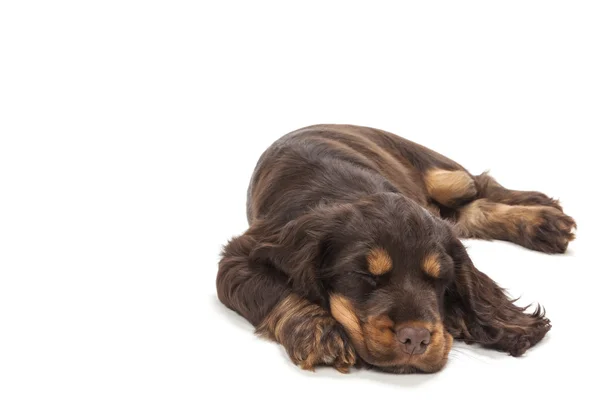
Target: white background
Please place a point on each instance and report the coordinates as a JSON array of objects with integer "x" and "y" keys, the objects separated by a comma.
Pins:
[{"x": 128, "y": 133}]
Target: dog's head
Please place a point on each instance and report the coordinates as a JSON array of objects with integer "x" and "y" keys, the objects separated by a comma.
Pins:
[{"x": 400, "y": 283}]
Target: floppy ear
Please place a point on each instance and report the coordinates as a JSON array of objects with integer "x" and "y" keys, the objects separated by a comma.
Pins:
[
  {"x": 477, "y": 310},
  {"x": 298, "y": 250}
]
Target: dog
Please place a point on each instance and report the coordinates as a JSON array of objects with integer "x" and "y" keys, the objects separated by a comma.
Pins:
[{"x": 352, "y": 256}]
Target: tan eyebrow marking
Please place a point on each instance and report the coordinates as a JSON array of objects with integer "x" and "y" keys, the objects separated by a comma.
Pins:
[
  {"x": 379, "y": 261},
  {"x": 431, "y": 265}
]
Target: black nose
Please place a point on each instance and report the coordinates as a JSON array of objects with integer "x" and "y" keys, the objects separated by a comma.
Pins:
[{"x": 414, "y": 340}]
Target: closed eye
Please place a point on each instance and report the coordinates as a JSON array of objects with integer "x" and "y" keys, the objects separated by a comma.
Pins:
[{"x": 372, "y": 280}]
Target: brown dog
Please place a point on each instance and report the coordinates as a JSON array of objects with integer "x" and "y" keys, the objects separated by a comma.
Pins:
[{"x": 353, "y": 255}]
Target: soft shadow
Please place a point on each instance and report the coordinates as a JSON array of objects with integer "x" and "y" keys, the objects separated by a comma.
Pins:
[
  {"x": 569, "y": 253},
  {"x": 234, "y": 318},
  {"x": 403, "y": 380},
  {"x": 400, "y": 380},
  {"x": 476, "y": 352},
  {"x": 487, "y": 356}
]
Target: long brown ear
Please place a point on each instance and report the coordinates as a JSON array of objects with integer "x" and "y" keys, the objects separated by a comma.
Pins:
[
  {"x": 297, "y": 250},
  {"x": 477, "y": 310}
]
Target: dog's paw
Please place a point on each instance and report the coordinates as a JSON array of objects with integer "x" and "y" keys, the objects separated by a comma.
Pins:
[
  {"x": 323, "y": 343},
  {"x": 309, "y": 334},
  {"x": 550, "y": 230}
]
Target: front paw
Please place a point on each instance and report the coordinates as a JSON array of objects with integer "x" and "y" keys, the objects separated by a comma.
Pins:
[
  {"x": 309, "y": 334},
  {"x": 323, "y": 342},
  {"x": 551, "y": 230}
]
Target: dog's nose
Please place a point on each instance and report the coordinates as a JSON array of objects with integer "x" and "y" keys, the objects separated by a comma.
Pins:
[{"x": 414, "y": 340}]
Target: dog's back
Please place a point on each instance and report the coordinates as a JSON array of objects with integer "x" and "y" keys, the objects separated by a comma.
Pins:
[{"x": 332, "y": 163}]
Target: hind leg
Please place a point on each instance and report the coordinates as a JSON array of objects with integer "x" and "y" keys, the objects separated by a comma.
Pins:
[
  {"x": 489, "y": 188},
  {"x": 484, "y": 209},
  {"x": 452, "y": 188},
  {"x": 448, "y": 188},
  {"x": 541, "y": 228}
]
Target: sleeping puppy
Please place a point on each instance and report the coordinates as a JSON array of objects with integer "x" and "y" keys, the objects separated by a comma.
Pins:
[{"x": 353, "y": 255}]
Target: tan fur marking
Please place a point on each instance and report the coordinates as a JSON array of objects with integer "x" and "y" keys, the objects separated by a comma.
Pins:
[
  {"x": 379, "y": 261},
  {"x": 431, "y": 265},
  {"x": 498, "y": 221},
  {"x": 379, "y": 335},
  {"x": 446, "y": 187},
  {"x": 343, "y": 312}
]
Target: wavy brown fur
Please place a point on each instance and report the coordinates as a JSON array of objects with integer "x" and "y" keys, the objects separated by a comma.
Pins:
[{"x": 324, "y": 199}]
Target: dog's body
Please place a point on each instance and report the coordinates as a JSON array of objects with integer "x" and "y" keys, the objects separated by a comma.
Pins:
[{"x": 352, "y": 248}]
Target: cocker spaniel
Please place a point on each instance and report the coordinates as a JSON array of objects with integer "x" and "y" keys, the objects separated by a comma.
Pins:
[{"x": 353, "y": 257}]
